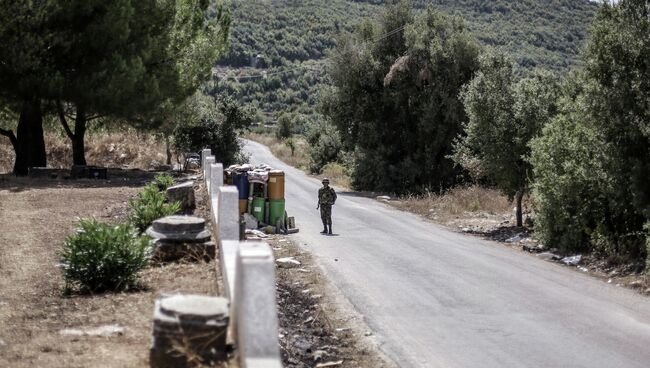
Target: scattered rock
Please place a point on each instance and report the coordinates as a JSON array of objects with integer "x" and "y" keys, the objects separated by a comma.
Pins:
[
  {"x": 105, "y": 331},
  {"x": 636, "y": 284},
  {"x": 383, "y": 198},
  {"x": 256, "y": 233},
  {"x": 287, "y": 262},
  {"x": 251, "y": 222},
  {"x": 548, "y": 256},
  {"x": 329, "y": 364},
  {"x": 514, "y": 239},
  {"x": 533, "y": 248},
  {"x": 572, "y": 261},
  {"x": 183, "y": 193}
]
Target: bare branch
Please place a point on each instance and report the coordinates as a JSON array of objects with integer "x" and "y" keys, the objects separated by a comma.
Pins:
[
  {"x": 10, "y": 134},
  {"x": 64, "y": 122}
]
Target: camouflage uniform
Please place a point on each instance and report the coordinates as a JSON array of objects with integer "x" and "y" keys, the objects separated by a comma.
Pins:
[{"x": 326, "y": 198}]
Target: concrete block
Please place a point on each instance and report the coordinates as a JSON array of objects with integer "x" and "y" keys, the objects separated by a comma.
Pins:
[
  {"x": 216, "y": 179},
  {"x": 204, "y": 154},
  {"x": 228, "y": 259},
  {"x": 206, "y": 171},
  {"x": 228, "y": 213},
  {"x": 255, "y": 308},
  {"x": 189, "y": 329},
  {"x": 183, "y": 193}
]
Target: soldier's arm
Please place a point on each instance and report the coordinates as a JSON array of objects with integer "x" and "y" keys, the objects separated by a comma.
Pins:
[{"x": 333, "y": 196}]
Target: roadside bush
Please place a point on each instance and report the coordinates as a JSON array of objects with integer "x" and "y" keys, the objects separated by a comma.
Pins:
[
  {"x": 582, "y": 205},
  {"x": 163, "y": 181},
  {"x": 149, "y": 206},
  {"x": 101, "y": 257},
  {"x": 284, "y": 127},
  {"x": 214, "y": 124},
  {"x": 324, "y": 146}
]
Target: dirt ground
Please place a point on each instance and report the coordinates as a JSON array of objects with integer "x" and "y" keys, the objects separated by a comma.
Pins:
[{"x": 35, "y": 218}]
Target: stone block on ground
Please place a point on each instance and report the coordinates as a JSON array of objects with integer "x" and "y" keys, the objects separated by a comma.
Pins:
[
  {"x": 189, "y": 330},
  {"x": 183, "y": 193},
  {"x": 181, "y": 237}
]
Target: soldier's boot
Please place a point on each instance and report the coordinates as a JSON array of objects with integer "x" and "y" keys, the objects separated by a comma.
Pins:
[
  {"x": 324, "y": 229},
  {"x": 330, "y": 231}
]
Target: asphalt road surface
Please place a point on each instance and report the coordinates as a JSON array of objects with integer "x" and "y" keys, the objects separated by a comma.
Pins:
[{"x": 435, "y": 298}]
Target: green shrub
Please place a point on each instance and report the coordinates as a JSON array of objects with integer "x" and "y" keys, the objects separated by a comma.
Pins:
[
  {"x": 101, "y": 257},
  {"x": 284, "y": 127},
  {"x": 163, "y": 181},
  {"x": 149, "y": 206},
  {"x": 324, "y": 146}
]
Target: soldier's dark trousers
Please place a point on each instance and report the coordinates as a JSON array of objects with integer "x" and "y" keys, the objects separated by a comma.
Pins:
[{"x": 326, "y": 214}]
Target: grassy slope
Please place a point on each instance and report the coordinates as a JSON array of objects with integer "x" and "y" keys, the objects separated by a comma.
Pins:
[{"x": 286, "y": 33}]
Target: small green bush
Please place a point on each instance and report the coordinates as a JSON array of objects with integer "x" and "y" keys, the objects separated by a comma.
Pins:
[
  {"x": 150, "y": 205},
  {"x": 163, "y": 181},
  {"x": 101, "y": 257}
]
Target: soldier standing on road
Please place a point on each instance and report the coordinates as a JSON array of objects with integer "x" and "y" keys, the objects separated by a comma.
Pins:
[{"x": 326, "y": 198}]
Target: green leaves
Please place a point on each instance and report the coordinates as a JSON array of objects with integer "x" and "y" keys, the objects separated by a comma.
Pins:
[
  {"x": 102, "y": 257},
  {"x": 504, "y": 116},
  {"x": 396, "y": 102},
  {"x": 150, "y": 205}
]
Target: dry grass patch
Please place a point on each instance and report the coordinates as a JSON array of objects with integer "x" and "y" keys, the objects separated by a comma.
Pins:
[
  {"x": 462, "y": 202},
  {"x": 125, "y": 149},
  {"x": 36, "y": 218},
  {"x": 299, "y": 158}
]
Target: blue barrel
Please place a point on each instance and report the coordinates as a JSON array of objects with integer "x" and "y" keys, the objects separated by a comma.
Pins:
[{"x": 240, "y": 180}]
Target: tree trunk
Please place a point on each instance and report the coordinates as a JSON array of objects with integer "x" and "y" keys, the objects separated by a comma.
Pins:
[
  {"x": 519, "y": 216},
  {"x": 30, "y": 142},
  {"x": 78, "y": 146},
  {"x": 168, "y": 149}
]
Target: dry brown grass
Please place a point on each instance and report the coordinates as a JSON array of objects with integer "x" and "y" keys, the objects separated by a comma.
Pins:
[
  {"x": 300, "y": 156},
  {"x": 35, "y": 219},
  {"x": 300, "y": 159},
  {"x": 458, "y": 202},
  {"x": 126, "y": 150}
]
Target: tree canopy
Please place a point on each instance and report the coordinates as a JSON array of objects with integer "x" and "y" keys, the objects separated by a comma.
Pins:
[{"x": 395, "y": 99}]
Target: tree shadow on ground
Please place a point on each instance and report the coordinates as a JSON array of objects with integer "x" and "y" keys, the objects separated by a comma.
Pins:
[{"x": 60, "y": 178}]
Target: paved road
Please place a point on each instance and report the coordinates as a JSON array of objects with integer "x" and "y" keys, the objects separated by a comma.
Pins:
[{"x": 435, "y": 298}]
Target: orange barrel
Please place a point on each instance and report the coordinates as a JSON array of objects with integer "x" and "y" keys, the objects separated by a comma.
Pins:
[
  {"x": 276, "y": 184},
  {"x": 243, "y": 206}
]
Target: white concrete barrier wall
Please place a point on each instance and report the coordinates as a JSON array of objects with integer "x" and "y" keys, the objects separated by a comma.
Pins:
[
  {"x": 248, "y": 271},
  {"x": 254, "y": 303}
]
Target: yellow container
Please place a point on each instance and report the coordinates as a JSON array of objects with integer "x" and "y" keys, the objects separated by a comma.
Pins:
[
  {"x": 243, "y": 206},
  {"x": 276, "y": 184}
]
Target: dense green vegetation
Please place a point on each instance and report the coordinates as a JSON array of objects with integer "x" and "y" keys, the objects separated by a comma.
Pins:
[
  {"x": 592, "y": 162},
  {"x": 292, "y": 38},
  {"x": 503, "y": 116},
  {"x": 81, "y": 59},
  {"x": 396, "y": 101}
]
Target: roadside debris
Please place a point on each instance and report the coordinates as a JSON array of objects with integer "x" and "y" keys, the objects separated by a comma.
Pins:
[
  {"x": 105, "y": 331},
  {"x": 383, "y": 198},
  {"x": 329, "y": 364},
  {"x": 548, "y": 256},
  {"x": 288, "y": 262},
  {"x": 572, "y": 261},
  {"x": 515, "y": 239}
]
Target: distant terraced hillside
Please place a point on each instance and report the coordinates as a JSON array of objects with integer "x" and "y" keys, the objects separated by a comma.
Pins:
[{"x": 278, "y": 34}]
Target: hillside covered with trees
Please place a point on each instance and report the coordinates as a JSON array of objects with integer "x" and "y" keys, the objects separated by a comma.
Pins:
[{"x": 288, "y": 41}]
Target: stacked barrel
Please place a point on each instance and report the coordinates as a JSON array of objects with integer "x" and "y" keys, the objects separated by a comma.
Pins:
[
  {"x": 240, "y": 180},
  {"x": 276, "y": 202}
]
